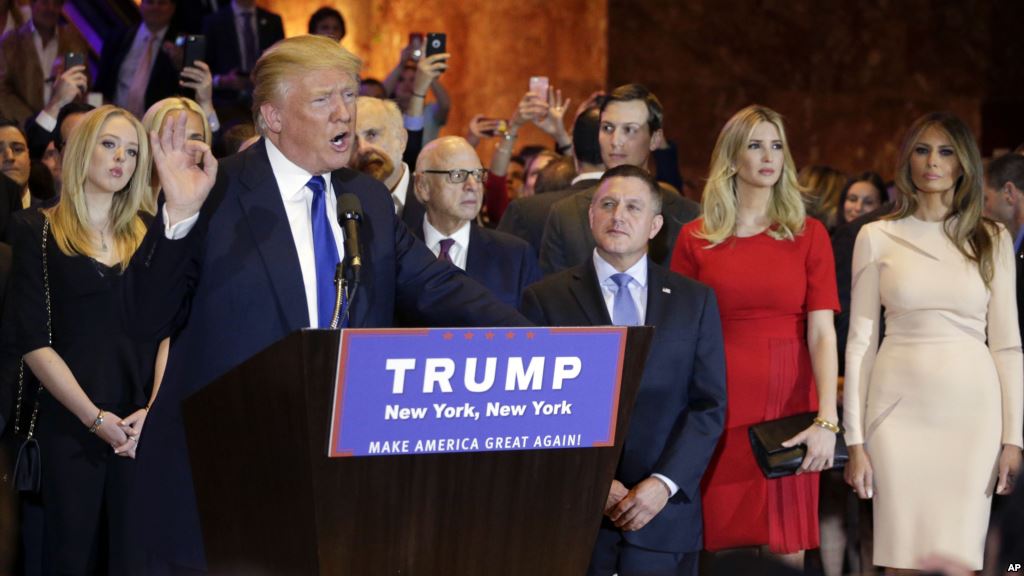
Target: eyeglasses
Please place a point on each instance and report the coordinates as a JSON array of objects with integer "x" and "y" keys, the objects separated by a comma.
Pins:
[{"x": 458, "y": 175}]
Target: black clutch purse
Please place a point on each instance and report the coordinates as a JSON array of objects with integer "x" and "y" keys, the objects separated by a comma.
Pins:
[{"x": 777, "y": 461}]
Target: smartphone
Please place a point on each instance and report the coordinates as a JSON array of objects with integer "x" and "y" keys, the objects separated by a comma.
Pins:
[
  {"x": 73, "y": 59},
  {"x": 539, "y": 86},
  {"x": 501, "y": 129},
  {"x": 416, "y": 41},
  {"x": 195, "y": 49},
  {"x": 437, "y": 43}
]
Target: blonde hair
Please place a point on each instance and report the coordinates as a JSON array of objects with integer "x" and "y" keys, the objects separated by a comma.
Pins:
[
  {"x": 822, "y": 186},
  {"x": 293, "y": 57},
  {"x": 69, "y": 218},
  {"x": 786, "y": 207},
  {"x": 153, "y": 121},
  {"x": 964, "y": 225}
]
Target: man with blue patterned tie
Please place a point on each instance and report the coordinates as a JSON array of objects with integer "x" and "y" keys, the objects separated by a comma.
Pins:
[
  {"x": 242, "y": 254},
  {"x": 652, "y": 521}
]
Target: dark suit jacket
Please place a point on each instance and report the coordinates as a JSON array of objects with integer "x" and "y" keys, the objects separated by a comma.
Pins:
[
  {"x": 504, "y": 264},
  {"x": 413, "y": 211},
  {"x": 163, "y": 78},
  {"x": 21, "y": 79},
  {"x": 222, "y": 52},
  {"x": 10, "y": 202},
  {"x": 680, "y": 406},
  {"x": 233, "y": 286},
  {"x": 567, "y": 239},
  {"x": 525, "y": 217}
]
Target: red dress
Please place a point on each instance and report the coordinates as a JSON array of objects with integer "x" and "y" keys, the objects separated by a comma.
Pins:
[{"x": 765, "y": 287}]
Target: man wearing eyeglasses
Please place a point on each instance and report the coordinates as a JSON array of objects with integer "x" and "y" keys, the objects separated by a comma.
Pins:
[{"x": 449, "y": 183}]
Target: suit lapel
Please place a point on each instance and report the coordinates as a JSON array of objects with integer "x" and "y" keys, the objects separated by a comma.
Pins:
[
  {"x": 585, "y": 289},
  {"x": 657, "y": 299},
  {"x": 264, "y": 212},
  {"x": 479, "y": 248}
]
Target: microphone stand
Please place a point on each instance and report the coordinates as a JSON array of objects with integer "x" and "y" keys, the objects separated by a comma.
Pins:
[{"x": 342, "y": 293}]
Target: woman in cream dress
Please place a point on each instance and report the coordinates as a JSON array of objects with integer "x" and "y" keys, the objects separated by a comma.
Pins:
[{"x": 933, "y": 418}]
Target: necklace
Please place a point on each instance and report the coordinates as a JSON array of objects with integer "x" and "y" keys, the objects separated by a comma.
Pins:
[{"x": 103, "y": 240}]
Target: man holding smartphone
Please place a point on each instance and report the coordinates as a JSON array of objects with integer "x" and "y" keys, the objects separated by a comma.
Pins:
[
  {"x": 400, "y": 83},
  {"x": 26, "y": 75},
  {"x": 135, "y": 70}
]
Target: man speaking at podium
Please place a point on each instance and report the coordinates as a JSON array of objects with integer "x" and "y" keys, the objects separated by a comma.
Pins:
[
  {"x": 243, "y": 255},
  {"x": 652, "y": 521}
]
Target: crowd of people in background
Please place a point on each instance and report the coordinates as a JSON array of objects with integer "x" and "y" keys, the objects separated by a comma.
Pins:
[{"x": 883, "y": 308}]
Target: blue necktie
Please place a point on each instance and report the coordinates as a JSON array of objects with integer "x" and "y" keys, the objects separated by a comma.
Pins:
[
  {"x": 624, "y": 312},
  {"x": 325, "y": 252}
]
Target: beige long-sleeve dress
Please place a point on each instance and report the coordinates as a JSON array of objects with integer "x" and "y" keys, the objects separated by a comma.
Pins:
[{"x": 945, "y": 390}]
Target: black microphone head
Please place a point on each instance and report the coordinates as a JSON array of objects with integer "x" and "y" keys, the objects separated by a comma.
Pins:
[{"x": 349, "y": 208}]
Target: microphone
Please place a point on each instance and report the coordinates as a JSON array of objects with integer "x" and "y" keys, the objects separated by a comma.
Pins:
[{"x": 350, "y": 216}]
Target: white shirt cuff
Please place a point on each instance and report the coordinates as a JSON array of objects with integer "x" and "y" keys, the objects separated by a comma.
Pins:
[
  {"x": 672, "y": 486},
  {"x": 413, "y": 122},
  {"x": 179, "y": 230},
  {"x": 45, "y": 121}
]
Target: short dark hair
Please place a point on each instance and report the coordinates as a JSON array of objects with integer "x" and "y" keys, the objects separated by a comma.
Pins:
[
  {"x": 630, "y": 92},
  {"x": 1006, "y": 168},
  {"x": 69, "y": 109},
  {"x": 630, "y": 171},
  {"x": 557, "y": 175},
  {"x": 585, "y": 132},
  {"x": 323, "y": 14}
]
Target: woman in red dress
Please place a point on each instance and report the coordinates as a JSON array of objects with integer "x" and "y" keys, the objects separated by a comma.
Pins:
[{"x": 772, "y": 269}]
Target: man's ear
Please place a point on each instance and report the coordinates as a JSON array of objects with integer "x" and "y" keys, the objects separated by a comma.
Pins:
[
  {"x": 403, "y": 138},
  {"x": 271, "y": 117},
  {"x": 419, "y": 187},
  {"x": 656, "y": 225},
  {"x": 1013, "y": 194},
  {"x": 657, "y": 139}
]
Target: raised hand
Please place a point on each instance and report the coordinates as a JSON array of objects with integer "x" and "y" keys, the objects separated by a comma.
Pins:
[
  {"x": 200, "y": 79},
  {"x": 553, "y": 123},
  {"x": 186, "y": 168},
  {"x": 427, "y": 70}
]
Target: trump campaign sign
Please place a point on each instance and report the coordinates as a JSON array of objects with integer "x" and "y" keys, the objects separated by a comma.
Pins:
[{"x": 475, "y": 390}]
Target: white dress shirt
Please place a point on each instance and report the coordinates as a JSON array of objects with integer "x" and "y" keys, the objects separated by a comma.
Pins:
[
  {"x": 298, "y": 202},
  {"x": 400, "y": 190},
  {"x": 46, "y": 54},
  {"x": 638, "y": 291},
  {"x": 133, "y": 60},
  {"x": 458, "y": 252},
  {"x": 236, "y": 10}
]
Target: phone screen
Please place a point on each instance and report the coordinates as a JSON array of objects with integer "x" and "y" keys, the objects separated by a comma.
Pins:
[{"x": 73, "y": 59}]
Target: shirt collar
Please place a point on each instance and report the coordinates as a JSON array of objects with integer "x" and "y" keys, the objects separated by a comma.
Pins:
[
  {"x": 605, "y": 271},
  {"x": 291, "y": 178},
  {"x": 587, "y": 176},
  {"x": 432, "y": 237},
  {"x": 403, "y": 185},
  {"x": 159, "y": 34}
]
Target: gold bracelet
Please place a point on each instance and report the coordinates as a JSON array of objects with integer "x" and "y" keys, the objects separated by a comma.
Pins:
[
  {"x": 833, "y": 428},
  {"x": 96, "y": 423}
]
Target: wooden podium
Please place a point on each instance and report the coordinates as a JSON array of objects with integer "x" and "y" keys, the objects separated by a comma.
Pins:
[{"x": 272, "y": 502}]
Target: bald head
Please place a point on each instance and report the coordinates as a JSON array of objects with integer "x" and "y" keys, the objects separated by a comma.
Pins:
[
  {"x": 381, "y": 140},
  {"x": 449, "y": 182}
]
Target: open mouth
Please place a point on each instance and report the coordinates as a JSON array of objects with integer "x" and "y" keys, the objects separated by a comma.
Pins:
[
  {"x": 116, "y": 172},
  {"x": 340, "y": 142}
]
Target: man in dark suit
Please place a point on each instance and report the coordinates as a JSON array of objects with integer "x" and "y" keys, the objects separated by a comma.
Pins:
[
  {"x": 653, "y": 511},
  {"x": 135, "y": 71},
  {"x": 630, "y": 129},
  {"x": 382, "y": 144},
  {"x": 525, "y": 217},
  {"x": 449, "y": 182},
  {"x": 1004, "y": 203},
  {"x": 242, "y": 254},
  {"x": 236, "y": 35}
]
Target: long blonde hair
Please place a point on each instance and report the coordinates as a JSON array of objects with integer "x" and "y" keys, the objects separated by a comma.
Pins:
[
  {"x": 69, "y": 218},
  {"x": 972, "y": 234},
  {"x": 786, "y": 208},
  {"x": 153, "y": 121}
]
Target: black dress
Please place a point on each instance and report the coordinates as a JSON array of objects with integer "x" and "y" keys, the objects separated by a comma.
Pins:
[{"x": 85, "y": 486}]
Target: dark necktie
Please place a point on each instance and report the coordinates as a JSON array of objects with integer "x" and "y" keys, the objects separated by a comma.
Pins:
[
  {"x": 624, "y": 312},
  {"x": 249, "y": 39},
  {"x": 325, "y": 252},
  {"x": 446, "y": 246}
]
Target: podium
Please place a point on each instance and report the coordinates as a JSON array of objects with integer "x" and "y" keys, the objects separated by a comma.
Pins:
[{"x": 272, "y": 502}]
